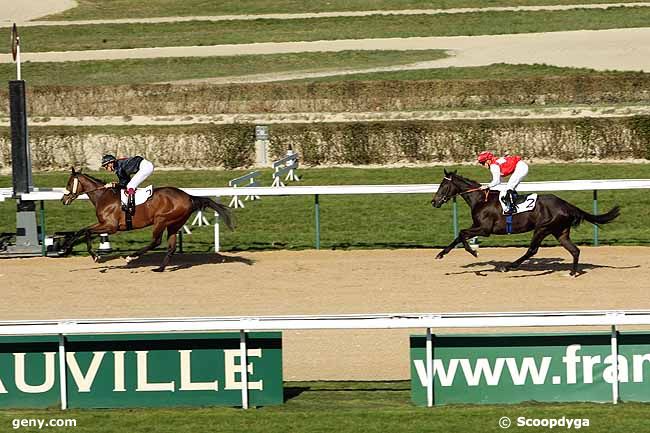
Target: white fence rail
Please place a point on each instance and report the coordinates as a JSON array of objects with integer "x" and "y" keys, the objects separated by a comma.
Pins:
[
  {"x": 344, "y": 321},
  {"x": 612, "y": 319},
  {"x": 564, "y": 185},
  {"x": 41, "y": 194}
]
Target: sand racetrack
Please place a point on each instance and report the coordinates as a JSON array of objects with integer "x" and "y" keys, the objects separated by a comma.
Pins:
[{"x": 325, "y": 282}]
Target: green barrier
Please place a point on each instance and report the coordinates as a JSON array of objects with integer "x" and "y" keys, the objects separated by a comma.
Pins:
[
  {"x": 528, "y": 367},
  {"x": 634, "y": 372},
  {"x": 155, "y": 370},
  {"x": 29, "y": 369}
]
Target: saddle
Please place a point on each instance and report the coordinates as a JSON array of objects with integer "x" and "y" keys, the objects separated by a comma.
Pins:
[
  {"x": 141, "y": 196},
  {"x": 523, "y": 203}
]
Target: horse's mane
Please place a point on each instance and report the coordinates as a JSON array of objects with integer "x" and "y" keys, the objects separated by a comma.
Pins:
[
  {"x": 465, "y": 180},
  {"x": 92, "y": 177}
]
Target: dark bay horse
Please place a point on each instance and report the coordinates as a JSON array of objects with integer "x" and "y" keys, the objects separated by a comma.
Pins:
[
  {"x": 551, "y": 216},
  {"x": 167, "y": 209}
]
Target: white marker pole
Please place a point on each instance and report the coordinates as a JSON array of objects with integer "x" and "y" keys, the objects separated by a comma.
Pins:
[
  {"x": 18, "y": 58},
  {"x": 15, "y": 49}
]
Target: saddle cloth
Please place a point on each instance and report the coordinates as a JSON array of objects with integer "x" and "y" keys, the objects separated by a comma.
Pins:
[
  {"x": 525, "y": 203},
  {"x": 141, "y": 195}
]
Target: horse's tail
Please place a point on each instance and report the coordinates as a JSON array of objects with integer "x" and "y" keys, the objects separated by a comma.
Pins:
[
  {"x": 200, "y": 203},
  {"x": 579, "y": 215}
]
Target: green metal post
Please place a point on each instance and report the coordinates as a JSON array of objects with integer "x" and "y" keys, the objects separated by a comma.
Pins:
[
  {"x": 455, "y": 218},
  {"x": 317, "y": 216},
  {"x": 43, "y": 247},
  {"x": 595, "y": 213}
]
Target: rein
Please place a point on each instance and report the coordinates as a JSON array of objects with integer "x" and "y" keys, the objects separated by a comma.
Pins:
[
  {"x": 478, "y": 188},
  {"x": 77, "y": 194},
  {"x": 93, "y": 190},
  {"x": 470, "y": 190}
]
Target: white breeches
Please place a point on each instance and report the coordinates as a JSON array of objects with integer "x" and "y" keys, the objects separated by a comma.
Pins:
[
  {"x": 146, "y": 168},
  {"x": 521, "y": 170}
]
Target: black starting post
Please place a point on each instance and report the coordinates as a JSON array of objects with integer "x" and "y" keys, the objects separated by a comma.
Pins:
[{"x": 27, "y": 233}]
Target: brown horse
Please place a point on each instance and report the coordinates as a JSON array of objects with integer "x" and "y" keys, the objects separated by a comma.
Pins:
[
  {"x": 167, "y": 209},
  {"x": 551, "y": 216}
]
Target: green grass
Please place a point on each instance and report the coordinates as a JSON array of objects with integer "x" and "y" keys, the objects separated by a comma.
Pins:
[
  {"x": 138, "y": 71},
  {"x": 390, "y": 221},
  {"x": 101, "y": 9},
  {"x": 343, "y": 407},
  {"x": 141, "y": 71},
  {"x": 494, "y": 71},
  {"x": 113, "y": 36}
]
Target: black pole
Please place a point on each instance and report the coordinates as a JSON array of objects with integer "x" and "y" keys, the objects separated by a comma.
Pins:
[{"x": 21, "y": 161}]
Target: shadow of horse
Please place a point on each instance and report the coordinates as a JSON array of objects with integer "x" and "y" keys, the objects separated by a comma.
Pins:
[
  {"x": 181, "y": 261},
  {"x": 534, "y": 267}
]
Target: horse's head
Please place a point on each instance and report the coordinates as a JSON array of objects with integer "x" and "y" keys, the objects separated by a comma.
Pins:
[
  {"x": 448, "y": 189},
  {"x": 74, "y": 188}
]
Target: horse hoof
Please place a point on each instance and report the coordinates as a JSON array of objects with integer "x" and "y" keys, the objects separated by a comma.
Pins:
[
  {"x": 129, "y": 259},
  {"x": 96, "y": 259},
  {"x": 158, "y": 269},
  {"x": 439, "y": 256},
  {"x": 503, "y": 268}
]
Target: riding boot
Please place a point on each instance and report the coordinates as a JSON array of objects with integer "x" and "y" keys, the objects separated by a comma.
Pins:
[
  {"x": 506, "y": 202},
  {"x": 131, "y": 203},
  {"x": 511, "y": 197}
]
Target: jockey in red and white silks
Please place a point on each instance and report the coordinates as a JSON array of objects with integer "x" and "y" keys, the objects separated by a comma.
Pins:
[{"x": 512, "y": 166}]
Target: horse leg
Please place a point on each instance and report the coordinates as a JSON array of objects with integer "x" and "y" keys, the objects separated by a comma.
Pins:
[
  {"x": 172, "y": 231},
  {"x": 538, "y": 237},
  {"x": 171, "y": 249},
  {"x": 75, "y": 239},
  {"x": 448, "y": 248},
  {"x": 470, "y": 233},
  {"x": 565, "y": 240},
  {"x": 87, "y": 234},
  {"x": 89, "y": 245},
  {"x": 463, "y": 235},
  {"x": 158, "y": 230}
]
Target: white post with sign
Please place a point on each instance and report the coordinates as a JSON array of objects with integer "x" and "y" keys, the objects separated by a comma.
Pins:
[
  {"x": 261, "y": 145},
  {"x": 15, "y": 49}
]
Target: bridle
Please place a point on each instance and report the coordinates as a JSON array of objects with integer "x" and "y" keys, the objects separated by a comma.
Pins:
[
  {"x": 467, "y": 191},
  {"x": 74, "y": 194}
]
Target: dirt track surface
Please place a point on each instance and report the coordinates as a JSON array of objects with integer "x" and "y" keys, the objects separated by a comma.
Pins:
[
  {"x": 38, "y": 13},
  {"x": 325, "y": 282},
  {"x": 620, "y": 49},
  {"x": 22, "y": 10}
]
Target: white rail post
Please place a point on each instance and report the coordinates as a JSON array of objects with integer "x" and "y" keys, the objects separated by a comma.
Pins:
[
  {"x": 200, "y": 219},
  {"x": 235, "y": 202},
  {"x": 217, "y": 240},
  {"x": 429, "y": 355},
  {"x": 244, "y": 369},
  {"x": 62, "y": 373},
  {"x": 614, "y": 341}
]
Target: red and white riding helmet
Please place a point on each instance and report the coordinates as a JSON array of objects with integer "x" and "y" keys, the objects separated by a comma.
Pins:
[{"x": 485, "y": 156}]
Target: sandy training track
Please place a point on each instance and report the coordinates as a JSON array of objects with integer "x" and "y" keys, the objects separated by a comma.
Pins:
[{"x": 325, "y": 282}]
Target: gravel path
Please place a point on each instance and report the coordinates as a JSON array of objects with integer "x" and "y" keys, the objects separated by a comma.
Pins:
[
  {"x": 284, "y": 118},
  {"x": 318, "y": 15},
  {"x": 620, "y": 49},
  {"x": 20, "y": 11},
  {"x": 616, "y": 49}
]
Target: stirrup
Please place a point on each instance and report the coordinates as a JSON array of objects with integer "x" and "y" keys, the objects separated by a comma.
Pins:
[
  {"x": 509, "y": 207},
  {"x": 130, "y": 207}
]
